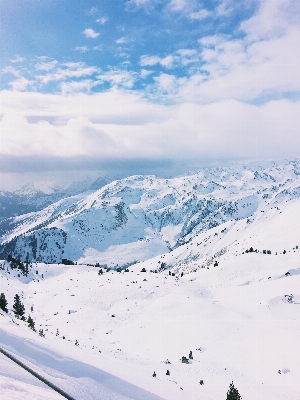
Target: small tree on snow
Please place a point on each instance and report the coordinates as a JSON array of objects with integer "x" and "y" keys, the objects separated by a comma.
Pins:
[
  {"x": 233, "y": 393},
  {"x": 18, "y": 307},
  {"x": 31, "y": 323},
  {"x": 3, "y": 302}
]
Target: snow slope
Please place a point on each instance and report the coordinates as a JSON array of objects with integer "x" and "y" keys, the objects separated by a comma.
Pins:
[{"x": 239, "y": 318}]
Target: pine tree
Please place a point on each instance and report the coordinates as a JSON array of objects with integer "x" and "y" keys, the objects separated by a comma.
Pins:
[
  {"x": 3, "y": 302},
  {"x": 233, "y": 393},
  {"x": 31, "y": 323},
  {"x": 18, "y": 308}
]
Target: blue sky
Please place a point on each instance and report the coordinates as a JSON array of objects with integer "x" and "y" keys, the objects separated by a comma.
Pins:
[
  {"x": 120, "y": 43},
  {"x": 153, "y": 80}
]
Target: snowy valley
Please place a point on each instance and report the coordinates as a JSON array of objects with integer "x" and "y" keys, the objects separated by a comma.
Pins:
[{"x": 206, "y": 263}]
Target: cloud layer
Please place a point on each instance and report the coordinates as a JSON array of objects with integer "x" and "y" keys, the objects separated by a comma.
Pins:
[{"x": 117, "y": 124}]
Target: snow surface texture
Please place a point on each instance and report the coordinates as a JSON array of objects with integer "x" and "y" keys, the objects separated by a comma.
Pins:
[{"x": 236, "y": 309}]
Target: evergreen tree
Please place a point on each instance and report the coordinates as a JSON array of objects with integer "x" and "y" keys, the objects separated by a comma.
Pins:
[
  {"x": 18, "y": 308},
  {"x": 3, "y": 302},
  {"x": 31, "y": 323},
  {"x": 233, "y": 393}
]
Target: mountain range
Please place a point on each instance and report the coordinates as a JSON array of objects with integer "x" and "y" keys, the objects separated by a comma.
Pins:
[
  {"x": 140, "y": 217},
  {"x": 196, "y": 275}
]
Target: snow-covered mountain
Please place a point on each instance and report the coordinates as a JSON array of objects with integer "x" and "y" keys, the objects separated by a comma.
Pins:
[
  {"x": 217, "y": 273},
  {"x": 139, "y": 217},
  {"x": 35, "y": 196}
]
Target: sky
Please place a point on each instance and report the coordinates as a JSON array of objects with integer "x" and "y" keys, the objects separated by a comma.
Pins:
[{"x": 141, "y": 86}]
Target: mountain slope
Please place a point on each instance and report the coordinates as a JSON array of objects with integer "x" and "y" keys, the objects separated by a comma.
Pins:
[
  {"x": 239, "y": 318},
  {"x": 139, "y": 217}
]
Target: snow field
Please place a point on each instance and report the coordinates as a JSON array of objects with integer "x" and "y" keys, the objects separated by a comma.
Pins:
[{"x": 234, "y": 312}]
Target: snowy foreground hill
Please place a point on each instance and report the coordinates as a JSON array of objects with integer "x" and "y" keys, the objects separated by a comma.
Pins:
[{"x": 217, "y": 272}]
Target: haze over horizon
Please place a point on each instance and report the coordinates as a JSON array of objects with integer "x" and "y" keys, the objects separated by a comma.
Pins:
[{"x": 141, "y": 86}]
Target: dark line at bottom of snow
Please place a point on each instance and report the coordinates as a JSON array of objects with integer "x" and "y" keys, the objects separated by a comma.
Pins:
[{"x": 38, "y": 376}]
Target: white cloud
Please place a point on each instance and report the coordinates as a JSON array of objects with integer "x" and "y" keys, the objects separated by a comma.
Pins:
[
  {"x": 122, "y": 40},
  {"x": 93, "y": 126},
  {"x": 77, "y": 86},
  {"x": 46, "y": 66},
  {"x": 82, "y": 49},
  {"x": 72, "y": 64},
  {"x": 67, "y": 71},
  {"x": 118, "y": 78},
  {"x": 149, "y": 60},
  {"x": 135, "y": 4},
  {"x": 11, "y": 70},
  {"x": 273, "y": 19},
  {"x": 177, "y": 5},
  {"x": 199, "y": 15},
  {"x": 102, "y": 20},
  {"x": 18, "y": 59},
  {"x": 187, "y": 52},
  {"x": 92, "y": 11},
  {"x": 166, "y": 82},
  {"x": 90, "y": 33},
  {"x": 263, "y": 63},
  {"x": 225, "y": 8},
  {"x": 181, "y": 57},
  {"x": 167, "y": 61},
  {"x": 20, "y": 84},
  {"x": 145, "y": 73}
]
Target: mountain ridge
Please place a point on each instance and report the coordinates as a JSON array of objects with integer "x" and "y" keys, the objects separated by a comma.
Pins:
[{"x": 140, "y": 217}]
